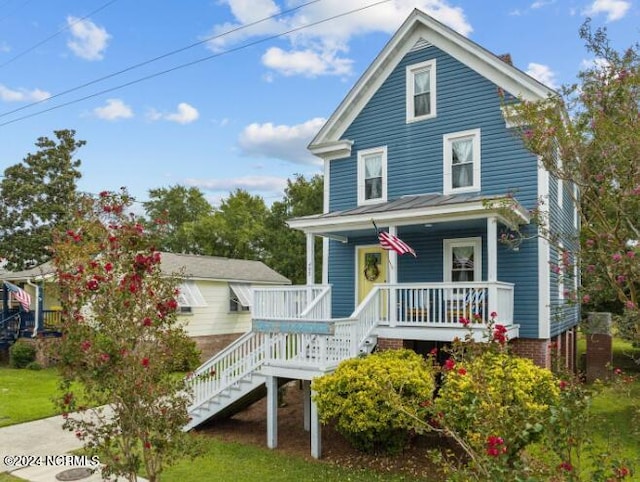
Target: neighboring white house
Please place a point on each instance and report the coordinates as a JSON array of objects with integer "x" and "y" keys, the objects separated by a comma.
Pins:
[{"x": 215, "y": 296}]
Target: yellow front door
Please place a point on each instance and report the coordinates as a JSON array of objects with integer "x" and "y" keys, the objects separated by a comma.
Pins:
[{"x": 372, "y": 269}]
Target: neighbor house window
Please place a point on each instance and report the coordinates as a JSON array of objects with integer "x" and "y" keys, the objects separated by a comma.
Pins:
[
  {"x": 372, "y": 175},
  {"x": 240, "y": 297},
  {"x": 461, "y": 161},
  {"x": 463, "y": 259},
  {"x": 421, "y": 91},
  {"x": 189, "y": 297}
]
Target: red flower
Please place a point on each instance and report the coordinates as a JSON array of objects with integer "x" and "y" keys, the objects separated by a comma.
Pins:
[
  {"x": 617, "y": 371},
  {"x": 562, "y": 384},
  {"x": 108, "y": 267},
  {"x": 462, "y": 371},
  {"x": 464, "y": 321},
  {"x": 622, "y": 472},
  {"x": 147, "y": 321},
  {"x": 493, "y": 314},
  {"x": 495, "y": 446},
  {"x": 104, "y": 357},
  {"x": 85, "y": 345},
  {"x": 500, "y": 334},
  {"x": 449, "y": 364},
  {"x": 92, "y": 285},
  {"x": 147, "y": 445},
  {"x": 565, "y": 466},
  {"x": 434, "y": 351},
  {"x": 145, "y": 362}
]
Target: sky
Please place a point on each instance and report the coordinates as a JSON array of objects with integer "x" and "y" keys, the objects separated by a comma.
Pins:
[{"x": 227, "y": 94}]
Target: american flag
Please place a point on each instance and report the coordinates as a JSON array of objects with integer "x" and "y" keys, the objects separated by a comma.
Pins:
[
  {"x": 389, "y": 241},
  {"x": 19, "y": 295}
]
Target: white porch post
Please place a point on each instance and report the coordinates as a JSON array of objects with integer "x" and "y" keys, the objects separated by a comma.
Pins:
[
  {"x": 392, "y": 278},
  {"x": 492, "y": 262},
  {"x": 311, "y": 259},
  {"x": 316, "y": 435},
  {"x": 306, "y": 400},
  {"x": 272, "y": 411}
]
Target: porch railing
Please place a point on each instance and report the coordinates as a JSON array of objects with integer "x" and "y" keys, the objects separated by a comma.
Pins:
[
  {"x": 292, "y": 302},
  {"x": 443, "y": 304}
]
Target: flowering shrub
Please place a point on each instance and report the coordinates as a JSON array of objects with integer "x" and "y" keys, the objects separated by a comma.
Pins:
[
  {"x": 478, "y": 396},
  {"x": 363, "y": 394},
  {"x": 120, "y": 341}
]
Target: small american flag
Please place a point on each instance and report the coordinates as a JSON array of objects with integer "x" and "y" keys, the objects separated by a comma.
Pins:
[
  {"x": 389, "y": 241},
  {"x": 19, "y": 295}
]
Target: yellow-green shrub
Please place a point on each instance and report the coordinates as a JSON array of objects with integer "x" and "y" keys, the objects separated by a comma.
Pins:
[
  {"x": 496, "y": 395},
  {"x": 359, "y": 396}
]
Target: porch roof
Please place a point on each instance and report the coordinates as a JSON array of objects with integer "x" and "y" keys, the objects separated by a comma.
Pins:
[{"x": 416, "y": 209}]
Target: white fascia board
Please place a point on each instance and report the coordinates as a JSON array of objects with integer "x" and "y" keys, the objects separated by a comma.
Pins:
[
  {"x": 458, "y": 212},
  {"x": 417, "y": 27}
]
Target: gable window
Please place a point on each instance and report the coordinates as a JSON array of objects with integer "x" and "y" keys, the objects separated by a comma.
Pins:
[
  {"x": 463, "y": 259},
  {"x": 421, "y": 91},
  {"x": 461, "y": 161},
  {"x": 189, "y": 296},
  {"x": 372, "y": 175},
  {"x": 239, "y": 297}
]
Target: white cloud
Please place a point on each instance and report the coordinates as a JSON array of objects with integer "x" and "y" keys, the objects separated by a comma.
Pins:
[
  {"x": 614, "y": 9},
  {"x": 323, "y": 49},
  {"x": 248, "y": 183},
  {"x": 114, "y": 109},
  {"x": 543, "y": 74},
  {"x": 541, "y": 3},
  {"x": 288, "y": 143},
  {"x": 89, "y": 41},
  {"x": 305, "y": 62},
  {"x": 22, "y": 95},
  {"x": 185, "y": 114}
]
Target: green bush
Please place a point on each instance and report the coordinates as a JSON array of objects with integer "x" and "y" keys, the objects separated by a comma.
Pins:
[
  {"x": 363, "y": 397},
  {"x": 21, "y": 354},
  {"x": 34, "y": 365},
  {"x": 496, "y": 396}
]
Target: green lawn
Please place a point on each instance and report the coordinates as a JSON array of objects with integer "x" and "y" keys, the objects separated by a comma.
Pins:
[{"x": 26, "y": 394}]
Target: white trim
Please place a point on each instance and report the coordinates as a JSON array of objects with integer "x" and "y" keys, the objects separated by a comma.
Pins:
[
  {"x": 326, "y": 187},
  {"x": 332, "y": 150},
  {"x": 447, "y": 178},
  {"x": 544, "y": 259},
  {"x": 492, "y": 249},
  {"x": 243, "y": 292},
  {"x": 421, "y": 26},
  {"x": 411, "y": 71},
  {"x": 325, "y": 261},
  {"x": 560, "y": 187},
  {"x": 362, "y": 156},
  {"x": 448, "y": 244},
  {"x": 190, "y": 295}
]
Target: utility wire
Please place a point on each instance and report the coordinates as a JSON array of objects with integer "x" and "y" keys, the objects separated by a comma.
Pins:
[
  {"x": 155, "y": 59},
  {"x": 189, "y": 64},
  {"x": 66, "y": 27}
]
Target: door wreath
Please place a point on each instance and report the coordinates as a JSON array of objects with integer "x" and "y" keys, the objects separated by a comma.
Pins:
[{"x": 371, "y": 270}]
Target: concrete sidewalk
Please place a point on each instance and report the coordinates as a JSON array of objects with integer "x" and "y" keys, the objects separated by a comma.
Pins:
[{"x": 44, "y": 444}]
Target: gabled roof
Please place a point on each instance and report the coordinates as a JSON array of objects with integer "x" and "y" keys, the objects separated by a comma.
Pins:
[
  {"x": 419, "y": 28},
  {"x": 194, "y": 267}
]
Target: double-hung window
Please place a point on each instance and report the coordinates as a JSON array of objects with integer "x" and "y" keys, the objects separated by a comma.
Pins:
[
  {"x": 461, "y": 161},
  {"x": 421, "y": 91},
  {"x": 463, "y": 259},
  {"x": 372, "y": 175}
]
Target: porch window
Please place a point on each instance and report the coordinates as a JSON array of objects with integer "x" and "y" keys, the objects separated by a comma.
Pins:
[
  {"x": 461, "y": 161},
  {"x": 463, "y": 260},
  {"x": 421, "y": 91},
  {"x": 189, "y": 296},
  {"x": 372, "y": 174},
  {"x": 239, "y": 297}
]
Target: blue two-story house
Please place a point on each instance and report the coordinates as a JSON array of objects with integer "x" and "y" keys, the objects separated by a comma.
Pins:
[{"x": 424, "y": 146}]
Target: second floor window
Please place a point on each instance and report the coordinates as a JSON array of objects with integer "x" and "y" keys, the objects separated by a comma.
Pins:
[
  {"x": 462, "y": 161},
  {"x": 372, "y": 171},
  {"x": 421, "y": 91}
]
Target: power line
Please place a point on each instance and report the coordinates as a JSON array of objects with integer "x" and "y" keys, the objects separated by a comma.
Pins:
[
  {"x": 155, "y": 59},
  {"x": 189, "y": 64},
  {"x": 67, "y": 27}
]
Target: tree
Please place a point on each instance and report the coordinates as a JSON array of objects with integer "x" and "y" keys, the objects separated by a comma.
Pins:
[
  {"x": 594, "y": 128},
  {"x": 121, "y": 341},
  {"x": 301, "y": 198},
  {"x": 235, "y": 230},
  {"x": 35, "y": 196},
  {"x": 176, "y": 206}
]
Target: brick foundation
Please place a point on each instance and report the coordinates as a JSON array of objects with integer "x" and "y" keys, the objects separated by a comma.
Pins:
[
  {"x": 390, "y": 344},
  {"x": 538, "y": 350},
  {"x": 564, "y": 351},
  {"x": 211, "y": 344}
]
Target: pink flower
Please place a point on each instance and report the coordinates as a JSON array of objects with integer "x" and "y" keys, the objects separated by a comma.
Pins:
[
  {"x": 621, "y": 278},
  {"x": 434, "y": 351},
  {"x": 85, "y": 345},
  {"x": 464, "y": 321},
  {"x": 449, "y": 364},
  {"x": 104, "y": 357},
  {"x": 617, "y": 371},
  {"x": 616, "y": 256},
  {"x": 591, "y": 268},
  {"x": 590, "y": 243},
  {"x": 630, "y": 305},
  {"x": 586, "y": 299},
  {"x": 493, "y": 314}
]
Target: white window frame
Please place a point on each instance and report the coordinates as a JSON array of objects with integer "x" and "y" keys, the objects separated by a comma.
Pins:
[
  {"x": 411, "y": 71},
  {"x": 447, "y": 151},
  {"x": 362, "y": 156},
  {"x": 449, "y": 244}
]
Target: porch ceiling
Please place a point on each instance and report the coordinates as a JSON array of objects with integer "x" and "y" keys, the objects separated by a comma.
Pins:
[{"x": 415, "y": 210}]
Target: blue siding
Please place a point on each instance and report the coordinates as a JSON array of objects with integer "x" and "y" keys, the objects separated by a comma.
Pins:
[{"x": 465, "y": 100}]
